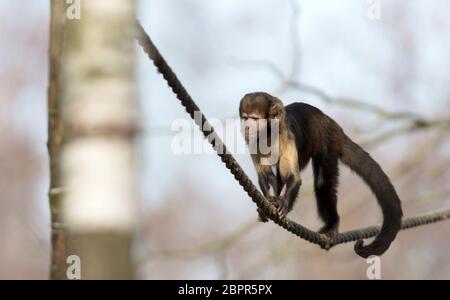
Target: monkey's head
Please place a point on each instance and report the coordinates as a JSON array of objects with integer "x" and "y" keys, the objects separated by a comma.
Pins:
[{"x": 256, "y": 111}]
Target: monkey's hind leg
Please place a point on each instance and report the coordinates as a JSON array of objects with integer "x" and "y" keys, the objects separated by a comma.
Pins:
[{"x": 326, "y": 175}]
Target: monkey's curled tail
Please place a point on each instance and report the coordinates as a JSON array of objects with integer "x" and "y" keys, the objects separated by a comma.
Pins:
[{"x": 368, "y": 169}]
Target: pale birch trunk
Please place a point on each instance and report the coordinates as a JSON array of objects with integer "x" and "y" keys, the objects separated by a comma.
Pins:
[{"x": 99, "y": 117}]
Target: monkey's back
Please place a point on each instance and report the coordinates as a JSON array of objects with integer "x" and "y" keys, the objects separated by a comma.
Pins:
[{"x": 314, "y": 132}]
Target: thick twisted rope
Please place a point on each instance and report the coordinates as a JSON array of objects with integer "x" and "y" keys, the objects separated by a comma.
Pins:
[{"x": 239, "y": 174}]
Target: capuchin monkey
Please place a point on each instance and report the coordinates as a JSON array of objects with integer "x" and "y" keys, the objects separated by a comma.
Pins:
[{"x": 305, "y": 133}]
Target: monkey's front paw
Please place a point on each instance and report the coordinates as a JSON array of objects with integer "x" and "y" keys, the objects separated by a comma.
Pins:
[
  {"x": 281, "y": 208},
  {"x": 272, "y": 199}
]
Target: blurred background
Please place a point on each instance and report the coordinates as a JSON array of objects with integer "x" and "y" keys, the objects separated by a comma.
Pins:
[{"x": 379, "y": 68}]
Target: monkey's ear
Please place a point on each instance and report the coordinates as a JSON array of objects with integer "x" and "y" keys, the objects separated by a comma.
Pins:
[{"x": 276, "y": 110}]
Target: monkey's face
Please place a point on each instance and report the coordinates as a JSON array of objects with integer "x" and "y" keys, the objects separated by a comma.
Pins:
[
  {"x": 252, "y": 125},
  {"x": 253, "y": 115},
  {"x": 256, "y": 110}
]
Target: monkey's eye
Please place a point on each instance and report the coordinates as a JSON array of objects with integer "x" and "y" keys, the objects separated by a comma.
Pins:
[{"x": 246, "y": 118}]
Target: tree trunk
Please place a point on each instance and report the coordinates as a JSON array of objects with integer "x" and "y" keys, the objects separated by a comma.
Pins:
[
  {"x": 98, "y": 154},
  {"x": 55, "y": 136}
]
